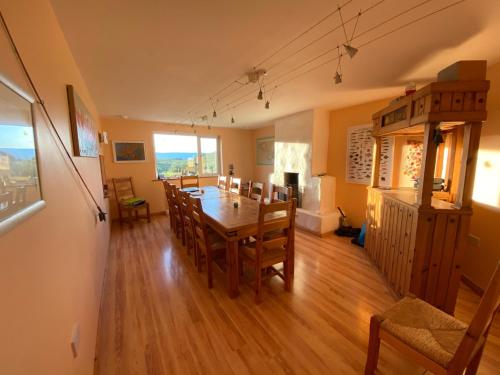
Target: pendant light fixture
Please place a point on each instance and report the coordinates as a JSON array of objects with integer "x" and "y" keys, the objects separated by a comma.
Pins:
[
  {"x": 338, "y": 74},
  {"x": 349, "y": 49},
  {"x": 267, "y": 104},
  {"x": 214, "y": 114},
  {"x": 260, "y": 95},
  {"x": 232, "y": 120}
]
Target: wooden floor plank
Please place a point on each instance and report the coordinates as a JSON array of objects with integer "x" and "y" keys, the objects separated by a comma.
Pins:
[{"x": 159, "y": 317}]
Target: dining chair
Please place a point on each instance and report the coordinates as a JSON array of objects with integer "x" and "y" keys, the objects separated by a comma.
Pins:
[
  {"x": 222, "y": 182},
  {"x": 190, "y": 182},
  {"x": 208, "y": 245},
  {"x": 235, "y": 185},
  {"x": 176, "y": 204},
  {"x": 280, "y": 193},
  {"x": 255, "y": 190},
  {"x": 168, "y": 195},
  {"x": 187, "y": 218},
  {"x": 430, "y": 337},
  {"x": 262, "y": 254},
  {"x": 127, "y": 200}
]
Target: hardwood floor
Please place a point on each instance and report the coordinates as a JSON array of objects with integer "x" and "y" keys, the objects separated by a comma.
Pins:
[{"x": 159, "y": 317}]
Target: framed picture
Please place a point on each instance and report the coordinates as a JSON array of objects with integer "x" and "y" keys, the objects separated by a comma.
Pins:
[
  {"x": 129, "y": 152},
  {"x": 359, "y": 154},
  {"x": 20, "y": 191},
  {"x": 264, "y": 151},
  {"x": 83, "y": 132}
]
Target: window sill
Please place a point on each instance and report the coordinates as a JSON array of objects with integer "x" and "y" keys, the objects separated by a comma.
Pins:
[{"x": 178, "y": 178}]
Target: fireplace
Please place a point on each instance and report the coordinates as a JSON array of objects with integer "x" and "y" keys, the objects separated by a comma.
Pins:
[{"x": 291, "y": 179}]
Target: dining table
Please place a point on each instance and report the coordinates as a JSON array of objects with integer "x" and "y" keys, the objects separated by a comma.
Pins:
[{"x": 234, "y": 217}]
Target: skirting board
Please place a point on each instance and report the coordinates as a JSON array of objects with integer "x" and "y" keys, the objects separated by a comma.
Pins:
[{"x": 472, "y": 285}]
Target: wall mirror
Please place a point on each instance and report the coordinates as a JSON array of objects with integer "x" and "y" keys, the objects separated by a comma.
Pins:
[{"x": 20, "y": 193}]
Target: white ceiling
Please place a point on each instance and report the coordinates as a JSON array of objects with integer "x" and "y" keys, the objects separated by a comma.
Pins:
[{"x": 157, "y": 60}]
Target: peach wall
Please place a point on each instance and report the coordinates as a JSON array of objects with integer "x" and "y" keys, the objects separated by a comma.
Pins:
[
  {"x": 350, "y": 197},
  {"x": 236, "y": 148},
  {"x": 262, "y": 173},
  {"x": 52, "y": 265},
  {"x": 481, "y": 260}
]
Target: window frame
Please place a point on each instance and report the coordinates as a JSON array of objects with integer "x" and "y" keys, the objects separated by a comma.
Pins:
[{"x": 198, "y": 151}]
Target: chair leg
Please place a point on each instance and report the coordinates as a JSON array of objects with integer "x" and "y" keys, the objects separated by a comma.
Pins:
[
  {"x": 258, "y": 283},
  {"x": 373, "y": 346},
  {"x": 148, "y": 212},
  {"x": 130, "y": 218},
  {"x": 288, "y": 275},
  {"x": 199, "y": 260},
  {"x": 474, "y": 363}
]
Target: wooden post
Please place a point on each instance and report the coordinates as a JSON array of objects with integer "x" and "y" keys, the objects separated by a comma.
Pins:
[
  {"x": 376, "y": 162},
  {"x": 424, "y": 196},
  {"x": 472, "y": 134}
]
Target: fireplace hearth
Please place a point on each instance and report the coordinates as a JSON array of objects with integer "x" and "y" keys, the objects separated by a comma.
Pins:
[{"x": 291, "y": 179}]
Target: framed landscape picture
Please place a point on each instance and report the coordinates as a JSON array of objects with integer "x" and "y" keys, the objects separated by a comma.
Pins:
[
  {"x": 265, "y": 151},
  {"x": 129, "y": 152},
  {"x": 83, "y": 132}
]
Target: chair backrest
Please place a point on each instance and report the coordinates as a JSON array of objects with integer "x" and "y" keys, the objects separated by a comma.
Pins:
[
  {"x": 222, "y": 182},
  {"x": 186, "y": 208},
  {"x": 176, "y": 201},
  {"x": 255, "y": 190},
  {"x": 200, "y": 229},
  {"x": 5, "y": 201},
  {"x": 278, "y": 218},
  {"x": 480, "y": 324},
  {"x": 235, "y": 185},
  {"x": 124, "y": 188},
  {"x": 281, "y": 193},
  {"x": 190, "y": 181}
]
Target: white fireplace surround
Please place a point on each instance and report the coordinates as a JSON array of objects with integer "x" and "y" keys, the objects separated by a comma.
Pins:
[{"x": 301, "y": 146}]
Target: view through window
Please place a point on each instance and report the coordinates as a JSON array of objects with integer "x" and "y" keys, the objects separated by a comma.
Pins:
[{"x": 186, "y": 155}]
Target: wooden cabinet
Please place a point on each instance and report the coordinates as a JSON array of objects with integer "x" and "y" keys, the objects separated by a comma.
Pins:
[{"x": 415, "y": 240}]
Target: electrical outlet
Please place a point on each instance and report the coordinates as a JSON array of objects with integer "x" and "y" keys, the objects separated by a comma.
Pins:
[
  {"x": 75, "y": 339},
  {"x": 473, "y": 240}
]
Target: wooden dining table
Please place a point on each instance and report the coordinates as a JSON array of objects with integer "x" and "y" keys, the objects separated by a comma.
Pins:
[{"x": 232, "y": 223}]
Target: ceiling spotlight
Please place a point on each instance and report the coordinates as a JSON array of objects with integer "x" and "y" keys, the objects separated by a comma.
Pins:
[
  {"x": 209, "y": 127},
  {"x": 192, "y": 125},
  {"x": 338, "y": 78},
  {"x": 267, "y": 104},
  {"x": 260, "y": 95},
  {"x": 232, "y": 120},
  {"x": 204, "y": 118},
  {"x": 351, "y": 51},
  {"x": 214, "y": 114}
]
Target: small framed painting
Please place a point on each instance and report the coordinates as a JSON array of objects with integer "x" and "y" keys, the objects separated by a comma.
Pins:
[
  {"x": 265, "y": 151},
  {"x": 129, "y": 152},
  {"x": 83, "y": 132}
]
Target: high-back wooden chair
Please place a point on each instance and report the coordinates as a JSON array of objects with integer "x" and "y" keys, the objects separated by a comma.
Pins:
[
  {"x": 280, "y": 193},
  {"x": 207, "y": 245},
  {"x": 222, "y": 182},
  {"x": 265, "y": 252},
  {"x": 190, "y": 182},
  {"x": 235, "y": 185},
  {"x": 125, "y": 197},
  {"x": 186, "y": 211},
  {"x": 255, "y": 190},
  {"x": 168, "y": 196},
  {"x": 5, "y": 203},
  {"x": 176, "y": 205},
  {"x": 435, "y": 340}
]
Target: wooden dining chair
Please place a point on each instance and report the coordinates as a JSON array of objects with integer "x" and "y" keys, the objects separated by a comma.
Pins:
[
  {"x": 186, "y": 211},
  {"x": 280, "y": 193},
  {"x": 176, "y": 205},
  {"x": 255, "y": 190},
  {"x": 235, "y": 185},
  {"x": 262, "y": 254},
  {"x": 222, "y": 182},
  {"x": 208, "y": 244},
  {"x": 433, "y": 339},
  {"x": 127, "y": 201},
  {"x": 168, "y": 195},
  {"x": 190, "y": 182}
]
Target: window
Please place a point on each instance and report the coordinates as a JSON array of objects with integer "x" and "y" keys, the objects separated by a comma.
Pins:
[{"x": 185, "y": 155}]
